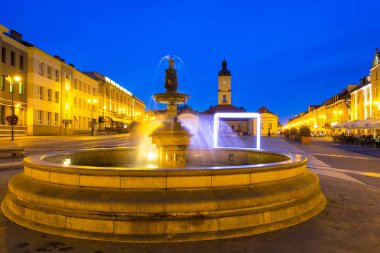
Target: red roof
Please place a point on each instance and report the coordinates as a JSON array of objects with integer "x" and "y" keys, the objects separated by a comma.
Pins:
[
  {"x": 223, "y": 108},
  {"x": 264, "y": 110}
]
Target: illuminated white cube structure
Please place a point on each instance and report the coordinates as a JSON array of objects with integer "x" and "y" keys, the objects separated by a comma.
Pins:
[{"x": 237, "y": 115}]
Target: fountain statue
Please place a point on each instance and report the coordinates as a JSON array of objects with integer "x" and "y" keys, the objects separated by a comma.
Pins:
[
  {"x": 171, "y": 138},
  {"x": 171, "y": 79},
  {"x": 194, "y": 194}
]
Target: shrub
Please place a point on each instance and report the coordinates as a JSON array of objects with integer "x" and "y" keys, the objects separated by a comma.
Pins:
[
  {"x": 293, "y": 131},
  {"x": 305, "y": 131}
]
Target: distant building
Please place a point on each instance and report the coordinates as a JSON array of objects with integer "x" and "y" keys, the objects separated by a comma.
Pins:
[
  {"x": 232, "y": 126},
  {"x": 269, "y": 122},
  {"x": 242, "y": 126},
  {"x": 118, "y": 107},
  {"x": 324, "y": 118}
]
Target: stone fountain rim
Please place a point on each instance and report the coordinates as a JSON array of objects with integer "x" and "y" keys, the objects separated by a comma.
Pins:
[{"x": 37, "y": 162}]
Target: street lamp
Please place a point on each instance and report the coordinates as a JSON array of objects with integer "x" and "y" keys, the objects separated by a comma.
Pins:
[
  {"x": 13, "y": 119},
  {"x": 93, "y": 102}
]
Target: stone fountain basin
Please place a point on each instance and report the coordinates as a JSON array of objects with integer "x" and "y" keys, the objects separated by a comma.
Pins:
[
  {"x": 223, "y": 193},
  {"x": 107, "y": 168}
]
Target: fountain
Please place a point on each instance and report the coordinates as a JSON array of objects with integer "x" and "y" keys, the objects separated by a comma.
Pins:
[
  {"x": 194, "y": 194},
  {"x": 171, "y": 138}
]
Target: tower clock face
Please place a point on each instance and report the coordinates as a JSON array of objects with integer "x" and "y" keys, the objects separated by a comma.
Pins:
[{"x": 224, "y": 82}]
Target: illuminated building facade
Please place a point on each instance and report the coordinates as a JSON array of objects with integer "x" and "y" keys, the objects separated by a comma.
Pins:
[
  {"x": 55, "y": 98},
  {"x": 356, "y": 109},
  {"x": 269, "y": 121},
  {"x": 323, "y": 118},
  {"x": 361, "y": 99},
  {"x": 118, "y": 107},
  {"x": 13, "y": 63},
  {"x": 375, "y": 80}
]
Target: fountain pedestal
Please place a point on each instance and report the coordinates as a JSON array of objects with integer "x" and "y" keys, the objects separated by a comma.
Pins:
[{"x": 171, "y": 140}]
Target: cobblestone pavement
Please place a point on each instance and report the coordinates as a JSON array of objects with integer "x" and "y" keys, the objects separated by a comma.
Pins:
[{"x": 349, "y": 223}]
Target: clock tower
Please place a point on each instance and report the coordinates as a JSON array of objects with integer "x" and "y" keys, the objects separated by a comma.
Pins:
[{"x": 224, "y": 85}]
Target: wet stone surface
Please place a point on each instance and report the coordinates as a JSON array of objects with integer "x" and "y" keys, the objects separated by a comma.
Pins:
[{"x": 349, "y": 223}]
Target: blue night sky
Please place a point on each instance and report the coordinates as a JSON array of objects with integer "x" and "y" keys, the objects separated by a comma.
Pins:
[{"x": 284, "y": 55}]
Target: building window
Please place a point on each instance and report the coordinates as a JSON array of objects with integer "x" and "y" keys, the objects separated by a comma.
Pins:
[
  {"x": 80, "y": 85},
  {"x": 56, "y": 119},
  {"x": 41, "y": 68},
  {"x": 56, "y": 97},
  {"x": 75, "y": 83},
  {"x": 93, "y": 91},
  {"x": 75, "y": 102},
  {"x": 270, "y": 125},
  {"x": 41, "y": 92},
  {"x": 13, "y": 60},
  {"x": 57, "y": 75},
  {"x": 3, "y": 55},
  {"x": 224, "y": 99},
  {"x": 49, "y": 72},
  {"x": 2, "y": 114},
  {"x": 40, "y": 117},
  {"x": 21, "y": 62},
  {"x": 2, "y": 86},
  {"x": 20, "y": 88},
  {"x": 49, "y": 94},
  {"x": 48, "y": 121}
]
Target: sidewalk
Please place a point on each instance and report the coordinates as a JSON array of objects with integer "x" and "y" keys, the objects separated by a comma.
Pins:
[
  {"x": 11, "y": 163},
  {"x": 277, "y": 144}
]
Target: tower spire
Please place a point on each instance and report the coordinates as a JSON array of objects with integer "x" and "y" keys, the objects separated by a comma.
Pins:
[{"x": 224, "y": 71}]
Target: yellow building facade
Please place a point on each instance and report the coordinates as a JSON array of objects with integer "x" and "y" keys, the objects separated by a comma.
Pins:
[
  {"x": 361, "y": 98},
  {"x": 118, "y": 107},
  {"x": 13, "y": 64},
  {"x": 60, "y": 98},
  {"x": 269, "y": 122},
  {"x": 323, "y": 118},
  {"x": 365, "y": 109},
  {"x": 55, "y": 98},
  {"x": 375, "y": 81}
]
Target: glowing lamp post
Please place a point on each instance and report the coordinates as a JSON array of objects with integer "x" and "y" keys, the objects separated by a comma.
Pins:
[
  {"x": 13, "y": 118},
  {"x": 92, "y": 102}
]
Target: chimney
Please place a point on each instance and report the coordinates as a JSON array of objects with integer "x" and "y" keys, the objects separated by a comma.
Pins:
[
  {"x": 16, "y": 35},
  {"x": 350, "y": 87}
]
